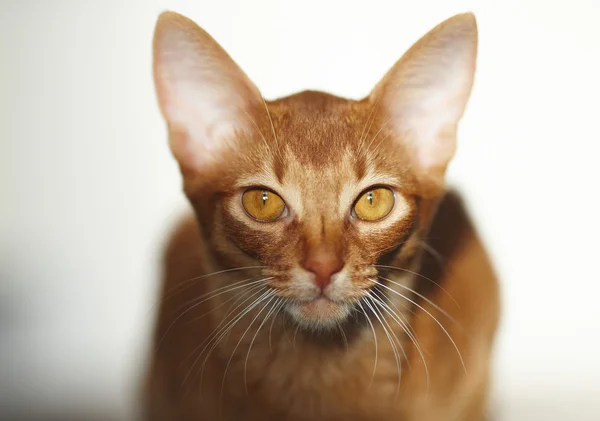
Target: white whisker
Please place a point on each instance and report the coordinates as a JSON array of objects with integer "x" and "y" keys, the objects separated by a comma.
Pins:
[
  {"x": 185, "y": 284},
  {"x": 376, "y": 148},
  {"x": 275, "y": 304},
  {"x": 235, "y": 297},
  {"x": 273, "y": 321},
  {"x": 229, "y": 327},
  {"x": 379, "y": 131},
  {"x": 272, "y": 127},
  {"x": 294, "y": 340},
  {"x": 341, "y": 328},
  {"x": 430, "y": 315},
  {"x": 438, "y": 308},
  {"x": 378, "y": 304},
  {"x": 422, "y": 277},
  {"x": 394, "y": 349},
  {"x": 369, "y": 122},
  {"x": 406, "y": 328},
  {"x": 214, "y": 295},
  {"x": 216, "y": 333},
  {"x": 436, "y": 254},
  {"x": 259, "y": 130},
  {"x": 374, "y": 340},
  {"x": 397, "y": 317},
  {"x": 270, "y": 296}
]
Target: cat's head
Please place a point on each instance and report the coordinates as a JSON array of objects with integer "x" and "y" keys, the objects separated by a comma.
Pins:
[{"x": 316, "y": 189}]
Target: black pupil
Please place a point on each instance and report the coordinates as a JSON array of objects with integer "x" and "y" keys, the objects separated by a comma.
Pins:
[
  {"x": 370, "y": 197},
  {"x": 265, "y": 196}
]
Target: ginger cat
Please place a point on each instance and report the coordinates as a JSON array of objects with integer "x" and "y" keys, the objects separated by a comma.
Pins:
[{"x": 326, "y": 272}]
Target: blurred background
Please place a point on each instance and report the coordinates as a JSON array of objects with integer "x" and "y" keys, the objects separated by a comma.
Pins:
[{"x": 88, "y": 189}]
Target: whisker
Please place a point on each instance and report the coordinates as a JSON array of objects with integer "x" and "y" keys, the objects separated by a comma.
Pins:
[
  {"x": 341, "y": 329},
  {"x": 227, "y": 329},
  {"x": 273, "y": 321},
  {"x": 272, "y": 127},
  {"x": 374, "y": 339},
  {"x": 436, "y": 254},
  {"x": 438, "y": 308},
  {"x": 270, "y": 296},
  {"x": 412, "y": 336},
  {"x": 275, "y": 304},
  {"x": 258, "y": 129},
  {"x": 235, "y": 297},
  {"x": 285, "y": 333},
  {"x": 217, "y": 291},
  {"x": 376, "y": 148},
  {"x": 360, "y": 141},
  {"x": 187, "y": 283},
  {"x": 401, "y": 320},
  {"x": 294, "y": 339},
  {"x": 378, "y": 304},
  {"x": 394, "y": 349},
  {"x": 215, "y": 294},
  {"x": 230, "y": 311},
  {"x": 430, "y": 315},
  {"x": 422, "y": 277},
  {"x": 397, "y": 317},
  {"x": 216, "y": 332},
  {"x": 379, "y": 131},
  {"x": 385, "y": 249}
]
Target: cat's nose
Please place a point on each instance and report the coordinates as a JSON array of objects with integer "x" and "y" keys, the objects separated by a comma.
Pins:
[{"x": 324, "y": 263}]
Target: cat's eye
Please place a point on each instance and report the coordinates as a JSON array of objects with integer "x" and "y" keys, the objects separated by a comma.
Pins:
[
  {"x": 263, "y": 205},
  {"x": 374, "y": 204}
]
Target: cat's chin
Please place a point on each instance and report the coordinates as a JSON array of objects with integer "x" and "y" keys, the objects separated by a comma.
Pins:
[{"x": 319, "y": 314}]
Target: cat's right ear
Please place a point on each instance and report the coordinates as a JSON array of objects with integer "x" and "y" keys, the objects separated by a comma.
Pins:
[
  {"x": 425, "y": 93},
  {"x": 205, "y": 98}
]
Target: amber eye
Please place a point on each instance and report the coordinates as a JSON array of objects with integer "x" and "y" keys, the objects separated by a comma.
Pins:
[
  {"x": 374, "y": 204},
  {"x": 263, "y": 205}
]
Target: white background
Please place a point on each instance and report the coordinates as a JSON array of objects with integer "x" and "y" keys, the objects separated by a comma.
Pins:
[{"x": 88, "y": 189}]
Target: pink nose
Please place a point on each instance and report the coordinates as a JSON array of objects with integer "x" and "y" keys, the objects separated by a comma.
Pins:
[{"x": 324, "y": 263}]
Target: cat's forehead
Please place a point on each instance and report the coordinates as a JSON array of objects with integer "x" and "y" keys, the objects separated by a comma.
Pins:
[
  {"x": 320, "y": 130},
  {"x": 319, "y": 152}
]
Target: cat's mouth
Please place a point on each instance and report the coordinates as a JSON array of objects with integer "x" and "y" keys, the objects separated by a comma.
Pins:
[
  {"x": 322, "y": 301},
  {"x": 321, "y": 312}
]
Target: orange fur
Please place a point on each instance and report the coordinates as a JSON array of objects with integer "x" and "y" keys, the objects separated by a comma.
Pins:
[{"x": 312, "y": 359}]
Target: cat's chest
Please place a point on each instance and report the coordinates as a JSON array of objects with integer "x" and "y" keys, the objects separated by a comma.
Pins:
[
  {"x": 277, "y": 368},
  {"x": 361, "y": 382}
]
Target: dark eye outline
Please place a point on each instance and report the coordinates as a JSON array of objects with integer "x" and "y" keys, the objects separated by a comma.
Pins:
[
  {"x": 365, "y": 191},
  {"x": 283, "y": 214}
]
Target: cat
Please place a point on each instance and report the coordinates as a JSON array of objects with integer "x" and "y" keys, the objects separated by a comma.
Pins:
[{"x": 326, "y": 271}]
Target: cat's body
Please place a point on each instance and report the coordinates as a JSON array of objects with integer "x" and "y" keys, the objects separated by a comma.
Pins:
[
  {"x": 290, "y": 294},
  {"x": 309, "y": 380}
]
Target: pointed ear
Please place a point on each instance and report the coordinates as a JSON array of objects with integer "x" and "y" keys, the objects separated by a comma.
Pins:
[
  {"x": 424, "y": 95},
  {"x": 204, "y": 96}
]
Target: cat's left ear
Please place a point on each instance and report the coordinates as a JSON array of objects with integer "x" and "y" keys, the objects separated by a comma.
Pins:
[
  {"x": 204, "y": 96},
  {"x": 424, "y": 95}
]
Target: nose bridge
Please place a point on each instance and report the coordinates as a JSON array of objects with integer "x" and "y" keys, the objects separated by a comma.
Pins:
[
  {"x": 323, "y": 238},
  {"x": 323, "y": 253},
  {"x": 321, "y": 201},
  {"x": 322, "y": 232}
]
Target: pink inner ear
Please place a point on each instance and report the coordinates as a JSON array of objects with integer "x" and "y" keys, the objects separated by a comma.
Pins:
[
  {"x": 210, "y": 112},
  {"x": 431, "y": 135},
  {"x": 424, "y": 95},
  {"x": 204, "y": 96}
]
